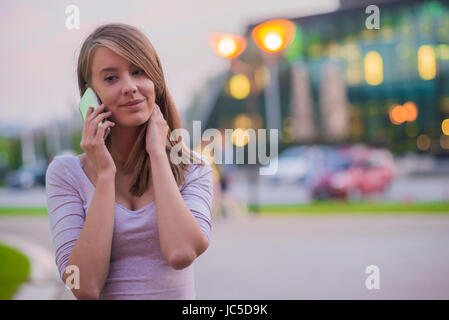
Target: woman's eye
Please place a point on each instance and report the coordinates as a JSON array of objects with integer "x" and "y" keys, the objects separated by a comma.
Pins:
[{"x": 109, "y": 78}]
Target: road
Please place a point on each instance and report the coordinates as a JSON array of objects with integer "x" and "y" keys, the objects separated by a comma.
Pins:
[
  {"x": 403, "y": 188},
  {"x": 305, "y": 257}
]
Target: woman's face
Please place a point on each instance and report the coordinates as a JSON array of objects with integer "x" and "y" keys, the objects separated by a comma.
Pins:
[{"x": 117, "y": 82}]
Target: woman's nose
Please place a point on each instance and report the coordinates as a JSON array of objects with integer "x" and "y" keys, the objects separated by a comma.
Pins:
[
  {"x": 130, "y": 91},
  {"x": 129, "y": 86}
]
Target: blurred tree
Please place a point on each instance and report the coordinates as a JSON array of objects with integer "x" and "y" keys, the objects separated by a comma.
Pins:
[
  {"x": 4, "y": 148},
  {"x": 14, "y": 153},
  {"x": 76, "y": 140},
  {"x": 44, "y": 147}
]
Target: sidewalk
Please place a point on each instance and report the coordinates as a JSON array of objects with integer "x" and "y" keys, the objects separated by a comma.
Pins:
[{"x": 44, "y": 282}]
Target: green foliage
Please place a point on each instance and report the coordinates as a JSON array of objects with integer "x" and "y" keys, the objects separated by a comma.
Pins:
[
  {"x": 14, "y": 270},
  {"x": 4, "y": 148},
  {"x": 7, "y": 211},
  {"x": 76, "y": 140},
  {"x": 361, "y": 207},
  {"x": 15, "y": 153}
]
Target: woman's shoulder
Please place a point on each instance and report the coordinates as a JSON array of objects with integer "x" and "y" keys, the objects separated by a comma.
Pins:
[
  {"x": 63, "y": 164},
  {"x": 198, "y": 170},
  {"x": 196, "y": 166},
  {"x": 64, "y": 160}
]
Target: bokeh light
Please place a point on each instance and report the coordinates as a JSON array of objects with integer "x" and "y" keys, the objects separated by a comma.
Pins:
[
  {"x": 239, "y": 86},
  {"x": 240, "y": 137},
  {"x": 444, "y": 142},
  {"x": 398, "y": 114},
  {"x": 445, "y": 127},
  {"x": 274, "y": 35},
  {"x": 243, "y": 121},
  {"x": 426, "y": 62},
  {"x": 227, "y": 45},
  {"x": 423, "y": 142},
  {"x": 373, "y": 67},
  {"x": 412, "y": 111},
  {"x": 272, "y": 41}
]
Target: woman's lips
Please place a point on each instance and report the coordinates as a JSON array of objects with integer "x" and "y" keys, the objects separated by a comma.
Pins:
[{"x": 134, "y": 106}]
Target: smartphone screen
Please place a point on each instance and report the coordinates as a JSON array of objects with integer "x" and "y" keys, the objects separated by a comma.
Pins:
[{"x": 90, "y": 99}]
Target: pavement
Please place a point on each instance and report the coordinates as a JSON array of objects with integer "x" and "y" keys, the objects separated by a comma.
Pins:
[
  {"x": 32, "y": 236},
  {"x": 286, "y": 257}
]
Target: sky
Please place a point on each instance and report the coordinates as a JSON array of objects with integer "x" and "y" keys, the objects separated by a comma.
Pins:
[{"x": 39, "y": 53}]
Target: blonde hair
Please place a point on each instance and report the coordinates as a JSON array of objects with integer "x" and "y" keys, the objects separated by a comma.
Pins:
[{"x": 131, "y": 44}]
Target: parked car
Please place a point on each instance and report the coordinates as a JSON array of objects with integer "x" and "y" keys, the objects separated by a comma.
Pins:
[
  {"x": 292, "y": 165},
  {"x": 319, "y": 158},
  {"x": 330, "y": 162},
  {"x": 27, "y": 176},
  {"x": 354, "y": 172}
]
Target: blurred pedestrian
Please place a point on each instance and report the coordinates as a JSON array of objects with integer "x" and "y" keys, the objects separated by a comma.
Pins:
[{"x": 230, "y": 205}]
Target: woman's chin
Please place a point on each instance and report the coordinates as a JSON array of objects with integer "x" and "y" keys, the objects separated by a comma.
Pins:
[{"x": 131, "y": 124}]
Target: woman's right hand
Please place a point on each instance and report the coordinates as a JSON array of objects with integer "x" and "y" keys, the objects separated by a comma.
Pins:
[{"x": 92, "y": 141}]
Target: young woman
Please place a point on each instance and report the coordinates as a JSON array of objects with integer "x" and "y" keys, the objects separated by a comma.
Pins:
[{"x": 123, "y": 214}]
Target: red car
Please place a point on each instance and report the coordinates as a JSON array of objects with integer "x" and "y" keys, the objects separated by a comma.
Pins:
[{"x": 355, "y": 172}]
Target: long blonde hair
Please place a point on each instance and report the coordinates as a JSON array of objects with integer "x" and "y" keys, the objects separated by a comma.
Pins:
[{"x": 131, "y": 44}]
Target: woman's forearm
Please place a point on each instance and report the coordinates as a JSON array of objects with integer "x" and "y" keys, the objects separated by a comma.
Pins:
[
  {"x": 92, "y": 251},
  {"x": 180, "y": 235}
]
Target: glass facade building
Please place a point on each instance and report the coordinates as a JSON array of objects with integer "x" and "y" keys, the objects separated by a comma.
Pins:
[{"x": 349, "y": 78}]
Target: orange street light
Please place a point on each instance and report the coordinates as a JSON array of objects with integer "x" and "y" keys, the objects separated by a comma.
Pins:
[
  {"x": 274, "y": 35},
  {"x": 398, "y": 114},
  {"x": 412, "y": 111},
  {"x": 227, "y": 45}
]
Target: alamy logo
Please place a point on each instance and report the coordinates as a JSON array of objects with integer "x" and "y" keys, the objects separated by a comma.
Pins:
[
  {"x": 72, "y": 21},
  {"x": 373, "y": 20},
  {"x": 257, "y": 147},
  {"x": 373, "y": 280},
  {"x": 73, "y": 280}
]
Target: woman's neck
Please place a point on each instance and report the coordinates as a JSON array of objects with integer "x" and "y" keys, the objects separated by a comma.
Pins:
[{"x": 122, "y": 142}]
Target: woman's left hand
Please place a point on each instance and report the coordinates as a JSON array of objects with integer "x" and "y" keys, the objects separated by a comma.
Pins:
[{"x": 157, "y": 130}]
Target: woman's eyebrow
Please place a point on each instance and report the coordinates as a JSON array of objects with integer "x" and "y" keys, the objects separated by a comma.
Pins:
[
  {"x": 108, "y": 69},
  {"x": 113, "y": 69}
]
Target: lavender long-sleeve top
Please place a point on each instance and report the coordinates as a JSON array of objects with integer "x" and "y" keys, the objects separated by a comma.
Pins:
[{"x": 137, "y": 267}]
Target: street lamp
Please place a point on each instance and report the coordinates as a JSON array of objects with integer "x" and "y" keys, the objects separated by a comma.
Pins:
[
  {"x": 272, "y": 37},
  {"x": 227, "y": 45},
  {"x": 230, "y": 46}
]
